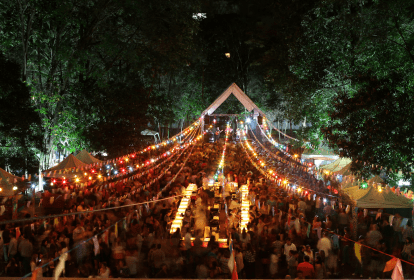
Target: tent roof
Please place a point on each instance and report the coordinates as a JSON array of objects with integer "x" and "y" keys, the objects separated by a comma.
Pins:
[
  {"x": 149, "y": 132},
  {"x": 372, "y": 198},
  {"x": 346, "y": 170},
  {"x": 323, "y": 151},
  {"x": 7, "y": 182},
  {"x": 86, "y": 157},
  {"x": 385, "y": 199},
  {"x": 239, "y": 94},
  {"x": 376, "y": 179},
  {"x": 346, "y": 185},
  {"x": 337, "y": 165},
  {"x": 69, "y": 162}
]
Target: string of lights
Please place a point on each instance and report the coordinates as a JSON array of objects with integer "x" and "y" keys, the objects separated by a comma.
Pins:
[
  {"x": 272, "y": 175},
  {"x": 119, "y": 168}
]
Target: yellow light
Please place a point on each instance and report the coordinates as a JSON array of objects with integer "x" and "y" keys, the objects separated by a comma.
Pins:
[
  {"x": 299, "y": 189},
  {"x": 271, "y": 171},
  {"x": 51, "y": 184},
  {"x": 90, "y": 178},
  {"x": 99, "y": 176},
  {"x": 126, "y": 159},
  {"x": 14, "y": 188},
  {"x": 85, "y": 174},
  {"x": 379, "y": 189},
  {"x": 1, "y": 189},
  {"x": 284, "y": 182},
  {"x": 77, "y": 180},
  {"x": 227, "y": 55}
]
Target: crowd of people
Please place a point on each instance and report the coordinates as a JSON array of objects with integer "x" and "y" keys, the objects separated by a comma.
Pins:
[{"x": 288, "y": 236}]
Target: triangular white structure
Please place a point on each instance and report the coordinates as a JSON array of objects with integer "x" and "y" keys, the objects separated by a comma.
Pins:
[
  {"x": 240, "y": 95},
  {"x": 244, "y": 99}
]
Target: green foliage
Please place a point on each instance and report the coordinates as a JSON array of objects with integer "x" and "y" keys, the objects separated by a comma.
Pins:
[
  {"x": 72, "y": 52},
  {"x": 19, "y": 124}
]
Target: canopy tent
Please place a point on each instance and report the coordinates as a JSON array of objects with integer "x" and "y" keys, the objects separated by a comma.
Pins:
[
  {"x": 337, "y": 165},
  {"x": 346, "y": 170},
  {"x": 347, "y": 184},
  {"x": 376, "y": 179},
  {"x": 371, "y": 197},
  {"x": 86, "y": 157},
  {"x": 321, "y": 153},
  {"x": 69, "y": 162},
  {"x": 7, "y": 182},
  {"x": 148, "y": 132}
]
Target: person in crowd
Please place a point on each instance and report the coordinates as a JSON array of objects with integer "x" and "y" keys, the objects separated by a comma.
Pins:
[{"x": 307, "y": 269}]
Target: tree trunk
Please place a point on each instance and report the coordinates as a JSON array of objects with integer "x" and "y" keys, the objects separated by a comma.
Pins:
[
  {"x": 278, "y": 128},
  {"x": 159, "y": 129}
]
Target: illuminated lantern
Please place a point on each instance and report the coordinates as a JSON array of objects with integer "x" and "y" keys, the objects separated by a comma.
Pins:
[{"x": 364, "y": 185}]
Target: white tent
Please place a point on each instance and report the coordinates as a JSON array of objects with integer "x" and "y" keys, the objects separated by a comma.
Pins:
[{"x": 148, "y": 132}]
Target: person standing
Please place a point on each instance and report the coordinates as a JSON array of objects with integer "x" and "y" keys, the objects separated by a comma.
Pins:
[
  {"x": 250, "y": 262},
  {"x": 307, "y": 268},
  {"x": 26, "y": 252},
  {"x": 12, "y": 246}
]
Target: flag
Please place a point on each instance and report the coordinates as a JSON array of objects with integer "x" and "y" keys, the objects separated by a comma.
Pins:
[
  {"x": 397, "y": 274},
  {"x": 95, "y": 245},
  {"x": 61, "y": 265},
  {"x": 390, "y": 264},
  {"x": 358, "y": 252},
  {"x": 17, "y": 233},
  {"x": 34, "y": 273},
  {"x": 106, "y": 237},
  {"x": 234, "y": 275},
  {"x": 231, "y": 263},
  {"x": 116, "y": 229}
]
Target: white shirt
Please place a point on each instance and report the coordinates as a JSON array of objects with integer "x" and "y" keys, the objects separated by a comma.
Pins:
[
  {"x": 287, "y": 248},
  {"x": 187, "y": 240},
  {"x": 324, "y": 244}
]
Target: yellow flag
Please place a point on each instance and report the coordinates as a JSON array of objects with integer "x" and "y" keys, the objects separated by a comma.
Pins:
[
  {"x": 116, "y": 229},
  {"x": 358, "y": 252},
  {"x": 390, "y": 264}
]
